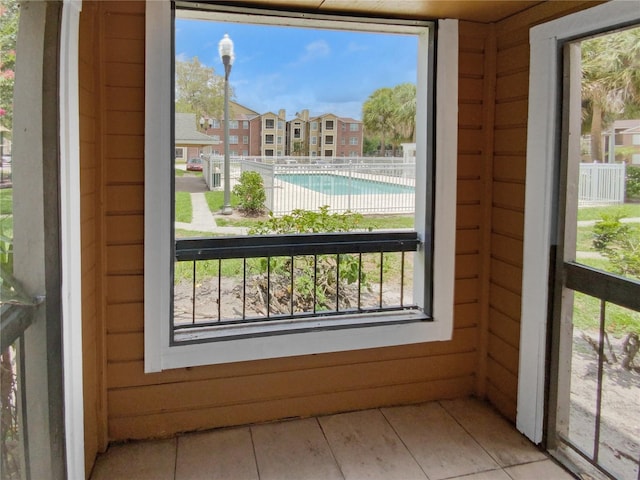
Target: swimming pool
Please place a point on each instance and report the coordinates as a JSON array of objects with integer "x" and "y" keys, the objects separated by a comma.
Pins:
[{"x": 342, "y": 185}]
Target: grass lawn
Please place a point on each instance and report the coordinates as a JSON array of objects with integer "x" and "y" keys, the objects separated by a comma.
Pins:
[
  {"x": 184, "y": 209},
  {"x": 6, "y": 201},
  {"x": 628, "y": 210},
  {"x": 215, "y": 200}
]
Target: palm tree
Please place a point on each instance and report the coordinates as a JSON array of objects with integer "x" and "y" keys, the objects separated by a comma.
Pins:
[
  {"x": 610, "y": 81},
  {"x": 378, "y": 115}
]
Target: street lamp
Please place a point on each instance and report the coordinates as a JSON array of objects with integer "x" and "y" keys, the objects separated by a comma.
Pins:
[{"x": 225, "y": 49}]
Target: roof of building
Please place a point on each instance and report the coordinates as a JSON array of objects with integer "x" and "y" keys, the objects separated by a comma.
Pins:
[{"x": 186, "y": 132}]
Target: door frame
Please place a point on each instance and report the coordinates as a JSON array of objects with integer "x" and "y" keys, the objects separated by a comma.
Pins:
[{"x": 544, "y": 135}]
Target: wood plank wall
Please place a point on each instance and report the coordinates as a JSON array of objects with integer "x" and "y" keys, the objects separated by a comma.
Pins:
[
  {"x": 94, "y": 438},
  {"x": 483, "y": 354},
  {"x": 508, "y": 190}
]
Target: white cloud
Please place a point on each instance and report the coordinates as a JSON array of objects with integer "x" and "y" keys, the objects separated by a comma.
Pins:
[
  {"x": 182, "y": 57},
  {"x": 354, "y": 47},
  {"x": 315, "y": 50}
]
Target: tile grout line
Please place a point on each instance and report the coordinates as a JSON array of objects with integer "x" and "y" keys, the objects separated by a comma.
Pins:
[
  {"x": 175, "y": 460},
  {"x": 255, "y": 457},
  {"x": 324, "y": 435},
  {"x": 403, "y": 442},
  {"x": 472, "y": 437}
]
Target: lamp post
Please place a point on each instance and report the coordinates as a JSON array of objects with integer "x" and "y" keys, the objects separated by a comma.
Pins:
[{"x": 225, "y": 50}]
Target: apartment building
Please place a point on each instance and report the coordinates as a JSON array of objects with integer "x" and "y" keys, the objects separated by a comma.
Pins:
[
  {"x": 244, "y": 131},
  {"x": 271, "y": 135}
]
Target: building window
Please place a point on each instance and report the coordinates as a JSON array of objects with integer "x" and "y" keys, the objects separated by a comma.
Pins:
[
  {"x": 314, "y": 125},
  {"x": 233, "y": 124},
  {"x": 353, "y": 127},
  {"x": 343, "y": 127},
  {"x": 314, "y": 140},
  {"x": 432, "y": 318},
  {"x": 179, "y": 152},
  {"x": 343, "y": 141},
  {"x": 245, "y": 139},
  {"x": 233, "y": 153},
  {"x": 314, "y": 154},
  {"x": 245, "y": 124},
  {"x": 269, "y": 123},
  {"x": 279, "y": 140},
  {"x": 353, "y": 141},
  {"x": 215, "y": 123},
  {"x": 328, "y": 140},
  {"x": 268, "y": 139},
  {"x": 296, "y": 132},
  {"x": 245, "y": 153},
  {"x": 353, "y": 154},
  {"x": 280, "y": 125},
  {"x": 233, "y": 139}
]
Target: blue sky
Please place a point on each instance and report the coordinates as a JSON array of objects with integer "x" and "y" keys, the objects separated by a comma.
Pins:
[{"x": 324, "y": 71}]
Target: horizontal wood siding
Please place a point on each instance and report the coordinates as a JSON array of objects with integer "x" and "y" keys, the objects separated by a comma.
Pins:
[
  {"x": 507, "y": 215},
  {"x": 90, "y": 259},
  {"x": 143, "y": 406}
]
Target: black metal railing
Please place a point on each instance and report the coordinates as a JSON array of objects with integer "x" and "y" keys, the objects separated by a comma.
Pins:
[
  {"x": 608, "y": 288},
  {"x": 236, "y": 280}
]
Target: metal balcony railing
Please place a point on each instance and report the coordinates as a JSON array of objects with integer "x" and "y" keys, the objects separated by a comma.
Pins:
[{"x": 263, "y": 278}]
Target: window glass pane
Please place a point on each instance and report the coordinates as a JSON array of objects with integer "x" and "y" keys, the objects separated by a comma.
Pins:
[{"x": 605, "y": 213}]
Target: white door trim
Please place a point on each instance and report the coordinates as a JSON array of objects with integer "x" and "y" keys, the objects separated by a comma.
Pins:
[
  {"x": 71, "y": 288},
  {"x": 542, "y": 140}
]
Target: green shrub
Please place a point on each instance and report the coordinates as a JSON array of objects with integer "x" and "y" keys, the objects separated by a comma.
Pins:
[
  {"x": 323, "y": 271},
  {"x": 633, "y": 182},
  {"x": 250, "y": 192},
  {"x": 620, "y": 243}
]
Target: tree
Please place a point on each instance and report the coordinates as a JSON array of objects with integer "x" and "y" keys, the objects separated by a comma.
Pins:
[
  {"x": 610, "y": 82},
  {"x": 390, "y": 113},
  {"x": 377, "y": 115},
  {"x": 199, "y": 90},
  {"x": 9, "y": 15}
]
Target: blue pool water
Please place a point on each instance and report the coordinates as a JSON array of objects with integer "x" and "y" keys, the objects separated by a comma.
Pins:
[{"x": 340, "y": 185}]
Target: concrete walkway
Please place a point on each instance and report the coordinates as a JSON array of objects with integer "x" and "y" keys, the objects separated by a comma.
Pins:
[
  {"x": 590, "y": 223},
  {"x": 204, "y": 221}
]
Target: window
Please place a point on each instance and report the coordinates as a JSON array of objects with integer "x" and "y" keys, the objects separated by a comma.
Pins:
[
  {"x": 314, "y": 140},
  {"x": 433, "y": 294},
  {"x": 328, "y": 140},
  {"x": 343, "y": 127},
  {"x": 296, "y": 132},
  {"x": 314, "y": 154},
  {"x": 245, "y": 124},
  {"x": 314, "y": 125},
  {"x": 245, "y": 139},
  {"x": 343, "y": 141},
  {"x": 233, "y": 153},
  {"x": 328, "y": 125},
  {"x": 269, "y": 123},
  {"x": 280, "y": 125},
  {"x": 233, "y": 139},
  {"x": 279, "y": 140},
  {"x": 233, "y": 124},
  {"x": 214, "y": 123},
  {"x": 353, "y": 141},
  {"x": 245, "y": 153},
  {"x": 353, "y": 154},
  {"x": 179, "y": 152},
  {"x": 353, "y": 127},
  {"x": 268, "y": 139}
]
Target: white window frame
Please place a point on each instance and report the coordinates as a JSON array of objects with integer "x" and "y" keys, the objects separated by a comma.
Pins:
[
  {"x": 542, "y": 140},
  {"x": 314, "y": 125},
  {"x": 314, "y": 140},
  {"x": 159, "y": 353},
  {"x": 233, "y": 139},
  {"x": 353, "y": 127}
]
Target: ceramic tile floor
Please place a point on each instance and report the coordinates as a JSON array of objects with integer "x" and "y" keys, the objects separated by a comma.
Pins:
[{"x": 453, "y": 439}]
